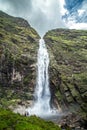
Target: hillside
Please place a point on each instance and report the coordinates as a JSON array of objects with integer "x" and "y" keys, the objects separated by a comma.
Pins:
[
  {"x": 68, "y": 67},
  {"x": 18, "y": 52},
  {"x": 18, "y": 122},
  {"x": 67, "y": 70}
]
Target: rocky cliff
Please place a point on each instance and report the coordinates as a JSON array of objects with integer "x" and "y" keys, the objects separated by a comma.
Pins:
[
  {"x": 18, "y": 55},
  {"x": 68, "y": 67},
  {"x": 18, "y": 52}
]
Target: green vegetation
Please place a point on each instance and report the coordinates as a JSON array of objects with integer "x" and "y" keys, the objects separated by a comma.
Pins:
[
  {"x": 18, "y": 54},
  {"x": 68, "y": 66},
  {"x": 11, "y": 121},
  {"x": 18, "y": 51}
]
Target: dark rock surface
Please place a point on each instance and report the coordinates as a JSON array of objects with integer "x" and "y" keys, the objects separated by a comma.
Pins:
[
  {"x": 18, "y": 55},
  {"x": 68, "y": 69},
  {"x": 72, "y": 122}
]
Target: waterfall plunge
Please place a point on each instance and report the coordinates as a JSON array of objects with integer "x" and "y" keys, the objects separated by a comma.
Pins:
[
  {"x": 41, "y": 105},
  {"x": 42, "y": 92}
]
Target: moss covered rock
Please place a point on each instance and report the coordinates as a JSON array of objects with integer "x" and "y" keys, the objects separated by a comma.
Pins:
[
  {"x": 18, "y": 52},
  {"x": 68, "y": 66}
]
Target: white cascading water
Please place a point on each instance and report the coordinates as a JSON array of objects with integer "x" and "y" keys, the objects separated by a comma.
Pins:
[
  {"x": 42, "y": 92},
  {"x": 41, "y": 105}
]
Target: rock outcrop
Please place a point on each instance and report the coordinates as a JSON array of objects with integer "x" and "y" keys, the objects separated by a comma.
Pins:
[
  {"x": 18, "y": 55},
  {"x": 68, "y": 67}
]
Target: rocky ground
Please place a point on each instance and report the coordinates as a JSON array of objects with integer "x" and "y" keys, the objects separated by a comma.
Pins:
[{"x": 73, "y": 122}]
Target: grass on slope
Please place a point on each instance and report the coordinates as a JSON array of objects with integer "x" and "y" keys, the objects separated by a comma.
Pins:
[{"x": 12, "y": 121}]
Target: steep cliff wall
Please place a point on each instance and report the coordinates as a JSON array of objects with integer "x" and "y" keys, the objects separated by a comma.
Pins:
[
  {"x": 18, "y": 54},
  {"x": 68, "y": 66}
]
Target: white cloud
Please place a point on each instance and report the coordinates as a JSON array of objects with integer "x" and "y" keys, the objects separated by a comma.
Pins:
[
  {"x": 62, "y": 9},
  {"x": 81, "y": 12},
  {"x": 72, "y": 21},
  {"x": 43, "y": 15},
  {"x": 74, "y": 25},
  {"x": 49, "y": 11}
]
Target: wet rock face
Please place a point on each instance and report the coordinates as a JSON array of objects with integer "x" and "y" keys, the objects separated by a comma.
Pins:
[
  {"x": 68, "y": 66},
  {"x": 18, "y": 57}
]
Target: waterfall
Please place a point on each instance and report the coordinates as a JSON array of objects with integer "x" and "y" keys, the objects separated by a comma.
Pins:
[{"x": 42, "y": 94}]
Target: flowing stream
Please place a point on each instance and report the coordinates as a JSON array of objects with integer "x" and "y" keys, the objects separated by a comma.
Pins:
[{"x": 42, "y": 94}]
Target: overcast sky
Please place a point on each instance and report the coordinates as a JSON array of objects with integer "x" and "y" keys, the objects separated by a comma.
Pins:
[{"x": 45, "y": 15}]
